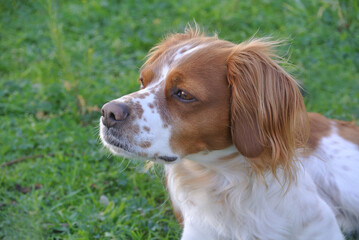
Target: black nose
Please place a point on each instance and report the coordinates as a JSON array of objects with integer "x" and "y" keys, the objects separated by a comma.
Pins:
[{"x": 114, "y": 112}]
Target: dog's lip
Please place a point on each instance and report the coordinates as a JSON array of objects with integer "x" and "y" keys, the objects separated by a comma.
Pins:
[
  {"x": 122, "y": 147},
  {"x": 119, "y": 145},
  {"x": 168, "y": 158},
  {"x": 125, "y": 148},
  {"x": 111, "y": 140}
]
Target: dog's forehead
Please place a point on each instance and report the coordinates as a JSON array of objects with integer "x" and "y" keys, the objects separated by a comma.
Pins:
[
  {"x": 186, "y": 50},
  {"x": 152, "y": 95},
  {"x": 171, "y": 58}
]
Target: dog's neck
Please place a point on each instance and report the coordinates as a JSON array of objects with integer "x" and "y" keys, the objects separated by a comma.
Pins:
[
  {"x": 219, "y": 161},
  {"x": 210, "y": 171},
  {"x": 217, "y": 170},
  {"x": 218, "y": 180}
]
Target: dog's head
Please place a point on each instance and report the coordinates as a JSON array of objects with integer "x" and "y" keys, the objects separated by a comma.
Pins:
[{"x": 200, "y": 94}]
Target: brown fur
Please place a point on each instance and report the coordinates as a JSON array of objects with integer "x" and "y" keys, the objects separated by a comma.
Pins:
[
  {"x": 269, "y": 120},
  {"x": 319, "y": 128},
  {"x": 348, "y": 130},
  {"x": 146, "y": 76},
  {"x": 201, "y": 125}
]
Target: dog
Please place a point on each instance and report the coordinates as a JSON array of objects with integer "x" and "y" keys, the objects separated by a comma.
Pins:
[{"x": 242, "y": 157}]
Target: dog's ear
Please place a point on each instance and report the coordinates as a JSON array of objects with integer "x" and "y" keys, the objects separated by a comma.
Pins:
[{"x": 268, "y": 116}]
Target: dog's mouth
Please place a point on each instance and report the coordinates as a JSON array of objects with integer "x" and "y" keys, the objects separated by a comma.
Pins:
[
  {"x": 167, "y": 158},
  {"x": 118, "y": 144},
  {"x": 115, "y": 144},
  {"x": 123, "y": 148}
]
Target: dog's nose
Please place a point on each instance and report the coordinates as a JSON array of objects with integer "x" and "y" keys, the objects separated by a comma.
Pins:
[{"x": 114, "y": 112}]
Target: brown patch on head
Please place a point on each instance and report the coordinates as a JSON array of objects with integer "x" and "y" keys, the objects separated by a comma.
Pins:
[
  {"x": 320, "y": 127},
  {"x": 202, "y": 124},
  {"x": 268, "y": 116},
  {"x": 348, "y": 130}
]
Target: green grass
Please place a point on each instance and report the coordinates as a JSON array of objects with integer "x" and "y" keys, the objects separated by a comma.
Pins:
[{"x": 61, "y": 60}]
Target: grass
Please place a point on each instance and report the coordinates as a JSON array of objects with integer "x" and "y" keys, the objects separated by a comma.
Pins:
[{"x": 61, "y": 60}]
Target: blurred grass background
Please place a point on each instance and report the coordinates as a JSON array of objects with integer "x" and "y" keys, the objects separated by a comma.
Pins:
[{"x": 60, "y": 61}]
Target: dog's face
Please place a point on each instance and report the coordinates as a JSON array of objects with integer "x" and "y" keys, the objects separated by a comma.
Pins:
[
  {"x": 182, "y": 107},
  {"x": 203, "y": 94}
]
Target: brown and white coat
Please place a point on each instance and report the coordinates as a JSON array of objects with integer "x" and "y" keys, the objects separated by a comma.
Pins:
[{"x": 231, "y": 128}]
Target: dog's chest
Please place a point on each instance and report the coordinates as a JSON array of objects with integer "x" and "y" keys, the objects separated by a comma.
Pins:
[
  {"x": 238, "y": 207},
  {"x": 198, "y": 200},
  {"x": 222, "y": 206}
]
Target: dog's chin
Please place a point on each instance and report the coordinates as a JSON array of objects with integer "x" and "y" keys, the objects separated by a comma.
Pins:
[
  {"x": 125, "y": 150},
  {"x": 120, "y": 151},
  {"x": 111, "y": 139},
  {"x": 120, "y": 148}
]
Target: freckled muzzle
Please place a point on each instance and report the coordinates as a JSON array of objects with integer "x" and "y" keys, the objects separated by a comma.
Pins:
[{"x": 132, "y": 127}]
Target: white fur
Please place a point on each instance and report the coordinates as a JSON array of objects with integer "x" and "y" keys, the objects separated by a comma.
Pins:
[
  {"x": 186, "y": 50},
  {"x": 234, "y": 205},
  {"x": 334, "y": 168}
]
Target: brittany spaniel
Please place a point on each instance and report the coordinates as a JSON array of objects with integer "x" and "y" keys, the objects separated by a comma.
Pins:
[{"x": 243, "y": 159}]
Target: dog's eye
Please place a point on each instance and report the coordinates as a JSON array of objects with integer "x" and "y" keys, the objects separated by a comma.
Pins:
[{"x": 184, "y": 96}]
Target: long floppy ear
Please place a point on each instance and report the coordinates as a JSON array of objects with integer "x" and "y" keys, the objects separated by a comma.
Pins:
[{"x": 268, "y": 116}]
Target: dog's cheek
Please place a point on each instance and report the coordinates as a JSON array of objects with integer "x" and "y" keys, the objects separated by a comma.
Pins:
[{"x": 185, "y": 139}]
